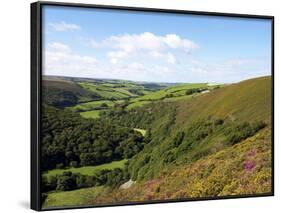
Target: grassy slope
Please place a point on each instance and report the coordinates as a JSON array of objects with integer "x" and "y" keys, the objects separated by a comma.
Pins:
[
  {"x": 246, "y": 101},
  {"x": 91, "y": 114},
  {"x": 72, "y": 198},
  {"x": 88, "y": 170},
  {"x": 60, "y": 92},
  {"x": 63, "y": 84},
  {"x": 226, "y": 172}
]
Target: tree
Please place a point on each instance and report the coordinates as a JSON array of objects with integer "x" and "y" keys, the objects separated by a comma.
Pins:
[{"x": 66, "y": 182}]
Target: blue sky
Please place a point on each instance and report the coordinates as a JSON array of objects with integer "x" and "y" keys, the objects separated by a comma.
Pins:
[{"x": 154, "y": 47}]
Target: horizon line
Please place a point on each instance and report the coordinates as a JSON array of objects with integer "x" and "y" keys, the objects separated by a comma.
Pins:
[{"x": 159, "y": 82}]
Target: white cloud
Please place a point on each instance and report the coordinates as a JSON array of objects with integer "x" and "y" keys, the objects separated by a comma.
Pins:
[
  {"x": 59, "y": 47},
  {"x": 174, "y": 41},
  {"x": 147, "y": 41},
  {"x": 144, "y": 45},
  {"x": 136, "y": 66},
  {"x": 115, "y": 56},
  {"x": 229, "y": 70},
  {"x": 63, "y": 26},
  {"x": 59, "y": 59},
  {"x": 171, "y": 58},
  {"x": 168, "y": 57},
  {"x": 113, "y": 61},
  {"x": 148, "y": 57}
]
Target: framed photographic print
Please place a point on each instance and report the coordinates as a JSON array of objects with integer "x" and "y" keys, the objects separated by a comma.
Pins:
[{"x": 141, "y": 105}]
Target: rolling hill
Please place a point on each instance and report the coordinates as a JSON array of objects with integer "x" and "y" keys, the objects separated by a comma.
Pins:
[
  {"x": 61, "y": 93},
  {"x": 185, "y": 131}
]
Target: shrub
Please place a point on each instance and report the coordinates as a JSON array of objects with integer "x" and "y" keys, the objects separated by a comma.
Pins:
[
  {"x": 115, "y": 178},
  {"x": 242, "y": 131},
  {"x": 67, "y": 181}
]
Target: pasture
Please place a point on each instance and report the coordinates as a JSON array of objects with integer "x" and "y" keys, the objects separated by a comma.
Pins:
[
  {"x": 88, "y": 170},
  {"x": 72, "y": 198}
]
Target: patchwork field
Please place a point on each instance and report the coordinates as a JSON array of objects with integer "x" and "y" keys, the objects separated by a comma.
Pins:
[{"x": 104, "y": 95}]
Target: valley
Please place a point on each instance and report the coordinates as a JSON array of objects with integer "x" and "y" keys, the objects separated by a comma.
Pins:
[{"x": 174, "y": 140}]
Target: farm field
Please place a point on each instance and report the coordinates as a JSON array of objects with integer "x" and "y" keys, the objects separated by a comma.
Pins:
[
  {"x": 91, "y": 114},
  {"x": 172, "y": 93},
  {"x": 87, "y": 170},
  {"x": 92, "y": 105},
  {"x": 108, "y": 94}
]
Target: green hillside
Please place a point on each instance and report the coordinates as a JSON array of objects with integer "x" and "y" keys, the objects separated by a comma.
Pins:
[
  {"x": 72, "y": 198},
  {"x": 245, "y": 101},
  {"x": 62, "y": 93},
  {"x": 185, "y": 131},
  {"x": 242, "y": 169},
  {"x": 216, "y": 144},
  {"x": 178, "y": 141}
]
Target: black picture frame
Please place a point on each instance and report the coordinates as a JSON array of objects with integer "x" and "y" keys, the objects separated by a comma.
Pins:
[{"x": 36, "y": 93}]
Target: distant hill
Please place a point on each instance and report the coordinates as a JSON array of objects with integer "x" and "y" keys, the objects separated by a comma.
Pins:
[{"x": 62, "y": 93}]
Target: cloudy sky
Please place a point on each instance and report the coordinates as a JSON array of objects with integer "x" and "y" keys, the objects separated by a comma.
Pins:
[{"x": 153, "y": 47}]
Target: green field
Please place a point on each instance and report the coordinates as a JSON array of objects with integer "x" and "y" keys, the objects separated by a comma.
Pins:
[
  {"x": 72, "y": 198},
  {"x": 110, "y": 92},
  {"x": 137, "y": 104},
  {"x": 91, "y": 114},
  {"x": 172, "y": 93},
  {"x": 92, "y": 105},
  {"x": 174, "y": 90},
  {"x": 107, "y": 91},
  {"x": 88, "y": 170}
]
